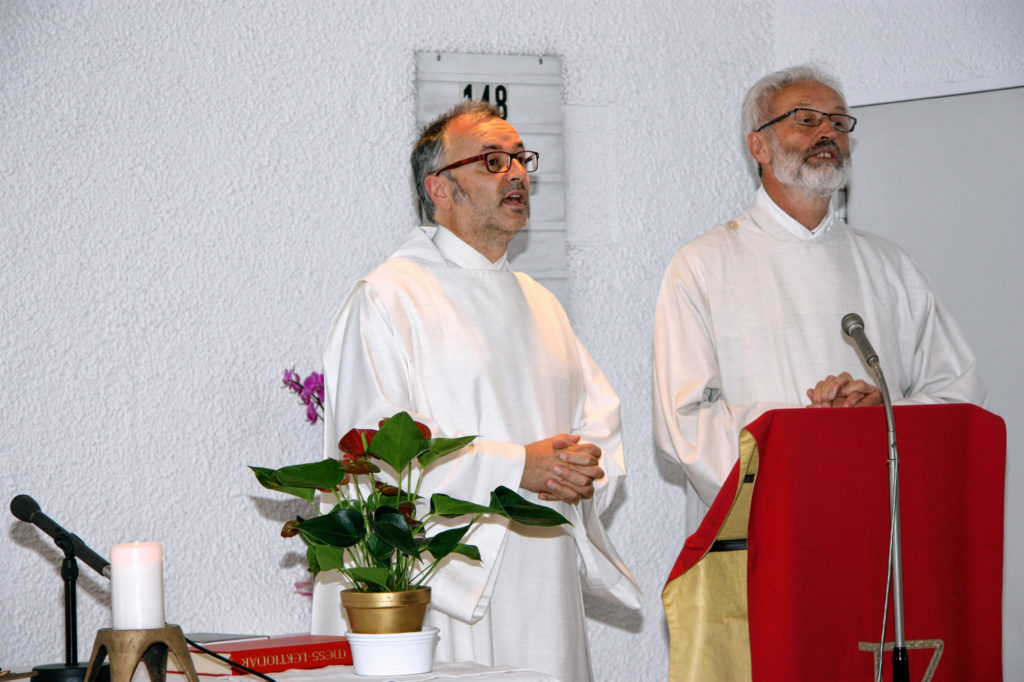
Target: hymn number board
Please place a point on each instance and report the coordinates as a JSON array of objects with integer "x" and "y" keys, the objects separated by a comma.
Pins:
[{"x": 528, "y": 93}]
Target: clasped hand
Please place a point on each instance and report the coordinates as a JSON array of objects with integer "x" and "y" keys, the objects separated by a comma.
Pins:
[
  {"x": 843, "y": 391},
  {"x": 562, "y": 468}
]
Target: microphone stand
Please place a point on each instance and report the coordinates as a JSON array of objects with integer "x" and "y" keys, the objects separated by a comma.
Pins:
[
  {"x": 69, "y": 571},
  {"x": 900, "y": 663},
  {"x": 71, "y": 670}
]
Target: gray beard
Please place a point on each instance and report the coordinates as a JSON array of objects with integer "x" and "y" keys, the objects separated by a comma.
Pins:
[
  {"x": 488, "y": 221},
  {"x": 820, "y": 181}
]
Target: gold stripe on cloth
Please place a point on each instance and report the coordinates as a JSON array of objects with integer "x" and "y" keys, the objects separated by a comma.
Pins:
[{"x": 706, "y": 607}]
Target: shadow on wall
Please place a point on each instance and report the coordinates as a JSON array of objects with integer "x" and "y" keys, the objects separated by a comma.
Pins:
[
  {"x": 280, "y": 510},
  {"x": 42, "y": 552},
  {"x": 615, "y": 615}
]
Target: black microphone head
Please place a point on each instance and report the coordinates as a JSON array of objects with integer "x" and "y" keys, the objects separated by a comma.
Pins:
[
  {"x": 852, "y": 321},
  {"x": 24, "y": 507}
]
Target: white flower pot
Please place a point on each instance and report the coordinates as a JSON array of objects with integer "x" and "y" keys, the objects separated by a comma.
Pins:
[{"x": 401, "y": 653}]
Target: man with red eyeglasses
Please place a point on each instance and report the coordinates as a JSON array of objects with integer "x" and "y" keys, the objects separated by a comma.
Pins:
[
  {"x": 447, "y": 331},
  {"x": 748, "y": 317}
]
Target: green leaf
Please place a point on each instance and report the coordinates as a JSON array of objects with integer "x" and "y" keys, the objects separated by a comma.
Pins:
[
  {"x": 265, "y": 477},
  {"x": 445, "y": 542},
  {"x": 328, "y": 557},
  {"x": 395, "y": 500},
  {"x": 467, "y": 551},
  {"x": 398, "y": 442},
  {"x": 370, "y": 576},
  {"x": 268, "y": 479},
  {"x": 340, "y": 528},
  {"x": 380, "y": 551},
  {"x": 450, "y": 507},
  {"x": 314, "y": 565},
  {"x": 390, "y": 525},
  {"x": 439, "y": 447},
  {"x": 512, "y": 505},
  {"x": 325, "y": 474}
]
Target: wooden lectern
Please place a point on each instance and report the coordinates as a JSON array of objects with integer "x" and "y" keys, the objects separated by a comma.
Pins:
[{"x": 786, "y": 577}]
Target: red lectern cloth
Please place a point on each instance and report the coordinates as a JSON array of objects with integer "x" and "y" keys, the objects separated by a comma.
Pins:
[{"x": 818, "y": 538}]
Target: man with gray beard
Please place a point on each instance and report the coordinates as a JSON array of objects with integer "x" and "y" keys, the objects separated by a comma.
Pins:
[{"x": 748, "y": 316}]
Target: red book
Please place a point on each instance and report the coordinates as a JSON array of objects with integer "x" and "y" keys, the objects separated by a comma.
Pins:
[{"x": 269, "y": 654}]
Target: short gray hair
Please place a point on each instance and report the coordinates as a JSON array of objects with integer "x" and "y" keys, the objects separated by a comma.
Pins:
[
  {"x": 428, "y": 152},
  {"x": 759, "y": 96}
]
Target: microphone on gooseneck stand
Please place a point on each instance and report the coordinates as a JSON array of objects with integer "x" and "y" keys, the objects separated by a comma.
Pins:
[
  {"x": 27, "y": 509},
  {"x": 853, "y": 326}
]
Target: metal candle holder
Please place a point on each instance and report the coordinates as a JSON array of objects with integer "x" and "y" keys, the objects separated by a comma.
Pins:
[{"x": 127, "y": 648}]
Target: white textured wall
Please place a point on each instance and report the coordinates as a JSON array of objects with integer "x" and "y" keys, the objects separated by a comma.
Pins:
[{"x": 187, "y": 191}]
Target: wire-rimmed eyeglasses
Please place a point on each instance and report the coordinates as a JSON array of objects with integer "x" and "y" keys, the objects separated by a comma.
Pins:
[
  {"x": 499, "y": 162},
  {"x": 843, "y": 123}
]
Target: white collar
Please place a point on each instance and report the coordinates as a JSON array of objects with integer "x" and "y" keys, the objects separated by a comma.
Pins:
[
  {"x": 789, "y": 222},
  {"x": 460, "y": 253}
]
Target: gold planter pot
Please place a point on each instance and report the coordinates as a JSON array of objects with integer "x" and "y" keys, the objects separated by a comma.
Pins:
[{"x": 386, "y": 612}]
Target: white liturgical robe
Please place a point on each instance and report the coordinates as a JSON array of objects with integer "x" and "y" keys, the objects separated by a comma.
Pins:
[
  {"x": 467, "y": 346},
  {"x": 748, "y": 318}
]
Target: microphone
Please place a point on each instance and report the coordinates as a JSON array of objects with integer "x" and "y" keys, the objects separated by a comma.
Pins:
[
  {"x": 853, "y": 327},
  {"x": 27, "y": 509}
]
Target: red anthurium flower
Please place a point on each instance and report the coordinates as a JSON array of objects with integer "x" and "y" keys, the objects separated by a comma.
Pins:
[
  {"x": 386, "y": 489},
  {"x": 355, "y": 441},
  {"x": 408, "y": 509},
  {"x": 359, "y": 466},
  {"x": 290, "y": 529}
]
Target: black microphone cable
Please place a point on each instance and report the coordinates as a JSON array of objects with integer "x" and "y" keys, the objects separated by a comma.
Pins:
[{"x": 227, "y": 660}]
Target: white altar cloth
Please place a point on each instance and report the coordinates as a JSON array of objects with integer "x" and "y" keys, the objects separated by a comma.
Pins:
[{"x": 463, "y": 670}]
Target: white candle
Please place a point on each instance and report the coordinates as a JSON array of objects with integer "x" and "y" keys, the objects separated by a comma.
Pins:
[{"x": 137, "y": 586}]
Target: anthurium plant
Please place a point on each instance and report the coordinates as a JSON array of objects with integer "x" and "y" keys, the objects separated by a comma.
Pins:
[{"x": 376, "y": 530}]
